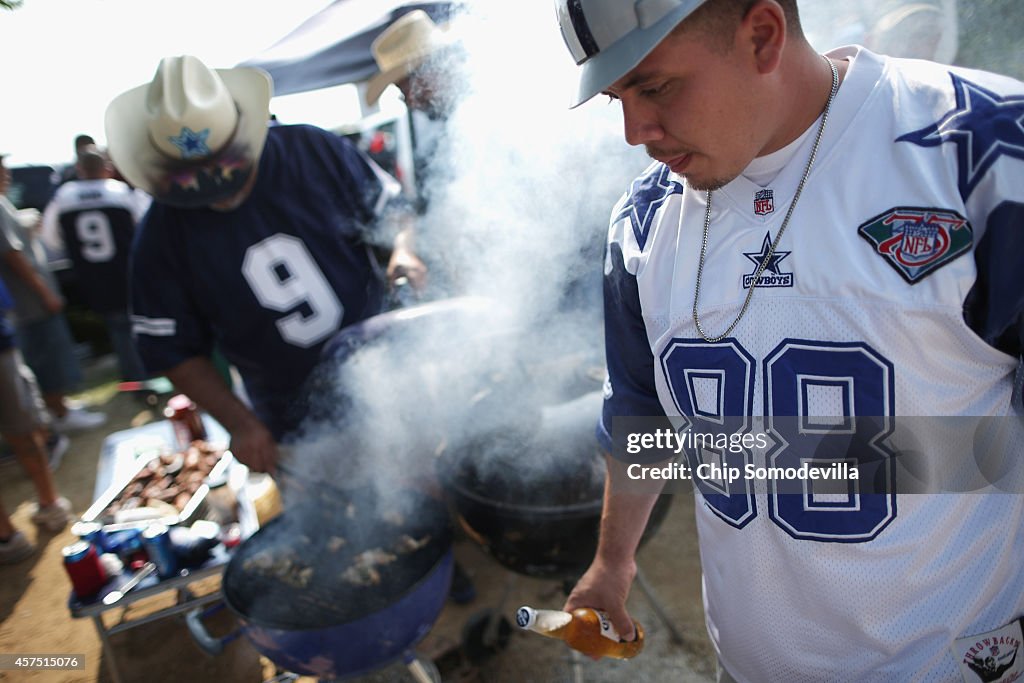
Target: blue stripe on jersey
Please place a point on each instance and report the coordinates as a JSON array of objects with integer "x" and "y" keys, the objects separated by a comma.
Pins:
[
  {"x": 6, "y": 302},
  {"x": 994, "y": 308},
  {"x": 629, "y": 357},
  {"x": 225, "y": 277},
  {"x": 6, "y": 326}
]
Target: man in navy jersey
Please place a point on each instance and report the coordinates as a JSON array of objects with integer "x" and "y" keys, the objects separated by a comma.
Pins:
[
  {"x": 94, "y": 217},
  {"x": 258, "y": 241},
  {"x": 826, "y": 248}
]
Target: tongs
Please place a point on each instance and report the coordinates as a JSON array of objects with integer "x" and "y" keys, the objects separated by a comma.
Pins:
[{"x": 298, "y": 484}]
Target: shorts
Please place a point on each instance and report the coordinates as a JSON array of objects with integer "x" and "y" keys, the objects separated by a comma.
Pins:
[
  {"x": 21, "y": 407},
  {"x": 49, "y": 350}
]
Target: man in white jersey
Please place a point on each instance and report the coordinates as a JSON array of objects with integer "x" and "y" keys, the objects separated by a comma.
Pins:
[
  {"x": 94, "y": 217},
  {"x": 823, "y": 241}
]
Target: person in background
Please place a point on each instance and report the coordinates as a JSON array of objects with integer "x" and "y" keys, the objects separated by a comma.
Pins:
[
  {"x": 425, "y": 61},
  {"x": 422, "y": 59},
  {"x": 257, "y": 242},
  {"x": 82, "y": 143},
  {"x": 915, "y": 29},
  {"x": 824, "y": 249},
  {"x": 23, "y": 425},
  {"x": 42, "y": 330},
  {"x": 920, "y": 29},
  {"x": 94, "y": 219}
]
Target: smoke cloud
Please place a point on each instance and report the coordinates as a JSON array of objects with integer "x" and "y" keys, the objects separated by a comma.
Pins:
[{"x": 520, "y": 193}]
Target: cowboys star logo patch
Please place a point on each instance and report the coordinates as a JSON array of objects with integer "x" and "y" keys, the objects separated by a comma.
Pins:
[
  {"x": 764, "y": 202},
  {"x": 773, "y": 275},
  {"x": 917, "y": 242}
]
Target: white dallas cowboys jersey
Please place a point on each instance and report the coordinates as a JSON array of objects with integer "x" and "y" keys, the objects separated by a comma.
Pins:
[{"x": 895, "y": 291}]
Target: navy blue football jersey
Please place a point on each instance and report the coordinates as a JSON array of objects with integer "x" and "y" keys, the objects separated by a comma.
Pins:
[
  {"x": 6, "y": 326},
  {"x": 270, "y": 281},
  {"x": 96, "y": 222}
]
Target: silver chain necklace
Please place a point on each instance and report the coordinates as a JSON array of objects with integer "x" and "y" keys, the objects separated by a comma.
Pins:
[{"x": 778, "y": 237}]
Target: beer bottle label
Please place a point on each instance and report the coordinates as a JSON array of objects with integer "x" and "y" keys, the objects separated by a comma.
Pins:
[{"x": 607, "y": 630}]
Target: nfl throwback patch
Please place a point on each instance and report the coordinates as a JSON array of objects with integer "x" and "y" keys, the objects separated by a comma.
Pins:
[
  {"x": 917, "y": 242},
  {"x": 992, "y": 657}
]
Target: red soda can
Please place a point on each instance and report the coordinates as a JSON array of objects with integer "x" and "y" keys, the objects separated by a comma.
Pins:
[
  {"x": 82, "y": 563},
  {"x": 185, "y": 417}
]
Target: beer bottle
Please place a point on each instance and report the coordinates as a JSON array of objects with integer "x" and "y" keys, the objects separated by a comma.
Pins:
[{"x": 584, "y": 629}]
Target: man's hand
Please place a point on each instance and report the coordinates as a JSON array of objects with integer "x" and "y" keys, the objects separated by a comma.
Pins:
[
  {"x": 605, "y": 586},
  {"x": 251, "y": 441},
  {"x": 254, "y": 446},
  {"x": 405, "y": 263}
]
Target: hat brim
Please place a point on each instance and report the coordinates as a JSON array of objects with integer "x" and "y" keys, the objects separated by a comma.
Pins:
[
  {"x": 193, "y": 183},
  {"x": 380, "y": 81},
  {"x": 615, "y": 61},
  {"x": 376, "y": 86}
]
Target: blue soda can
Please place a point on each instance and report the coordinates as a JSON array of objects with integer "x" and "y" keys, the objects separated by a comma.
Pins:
[
  {"x": 156, "y": 539},
  {"x": 121, "y": 542},
  {"x": 91, "y": 532}
]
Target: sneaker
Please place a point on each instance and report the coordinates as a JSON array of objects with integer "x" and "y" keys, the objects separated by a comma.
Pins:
[
  {"x": 56, "y": 447},
  {"x": 78, "y": 419},
  {"x": 15, "y": 549},
  {"x": 53, "y": 517}
]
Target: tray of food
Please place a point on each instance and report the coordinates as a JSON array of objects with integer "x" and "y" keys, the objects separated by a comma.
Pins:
[{"x": 169, "y": 486}]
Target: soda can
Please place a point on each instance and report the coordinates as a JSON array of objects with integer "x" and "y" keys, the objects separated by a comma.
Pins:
[
  {"x": 122, "y": 543},
  {"x": 156, "y": 539},
  {"x": 82, "y": 563},
  {"x": 91, "y": 532}
]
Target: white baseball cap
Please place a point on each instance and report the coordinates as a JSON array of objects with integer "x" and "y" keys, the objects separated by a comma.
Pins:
[
  {"x": 193, "y": 136},
  {"x": 607, "y": 38}
]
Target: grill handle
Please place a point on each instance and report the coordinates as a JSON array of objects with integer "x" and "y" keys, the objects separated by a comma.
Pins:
[{"x": 211, "y": 645}]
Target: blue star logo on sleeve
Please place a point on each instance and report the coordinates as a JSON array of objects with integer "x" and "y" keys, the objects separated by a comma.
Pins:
[
  {"x": 983, "y": 126},
  {"x": 646, "y": 196},
  {"x": 191, "y": 143}
]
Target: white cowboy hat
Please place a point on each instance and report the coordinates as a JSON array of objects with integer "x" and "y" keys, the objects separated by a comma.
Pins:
[
  {"x": 193, "y": 136},
  {"x": 403, "y": 47}
]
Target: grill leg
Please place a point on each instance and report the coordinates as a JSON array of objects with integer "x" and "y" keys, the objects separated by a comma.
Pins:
[
  {"x": 423, "y": 670},
  {"x": 655, "y": 603}
]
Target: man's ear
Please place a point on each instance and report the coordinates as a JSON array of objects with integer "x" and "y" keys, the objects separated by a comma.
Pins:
[{"x": 763, "y": 31}]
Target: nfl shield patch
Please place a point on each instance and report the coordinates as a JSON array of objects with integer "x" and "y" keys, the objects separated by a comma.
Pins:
[
  {"x": 917, "y": 242},
  {"x": 764, "y": 202}
]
